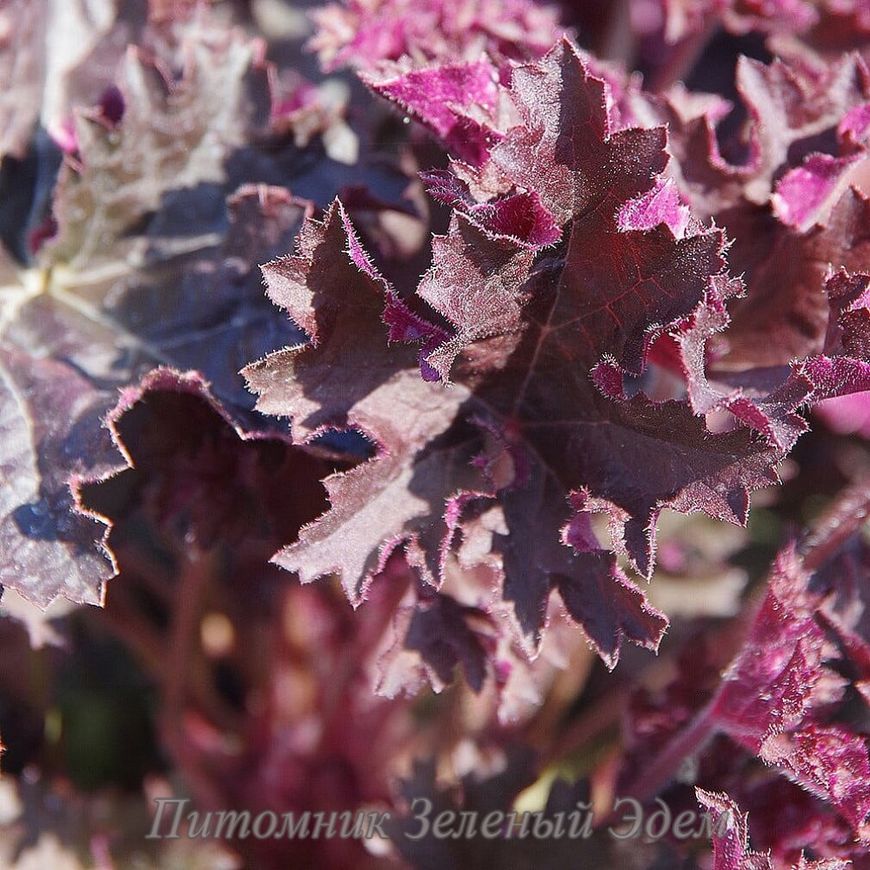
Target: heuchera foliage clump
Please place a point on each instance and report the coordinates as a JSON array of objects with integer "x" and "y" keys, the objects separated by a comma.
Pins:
[{"x": 363, "y": 529}]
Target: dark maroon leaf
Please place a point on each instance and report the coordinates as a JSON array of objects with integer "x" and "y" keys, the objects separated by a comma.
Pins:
[
  {"x": 349, "y": 376},
  {"x": 518, "y": 215},
  {"x": 600, "y": 299},
  {"x": 199, "y": 478},
  {"x": 518, "y": 329}
]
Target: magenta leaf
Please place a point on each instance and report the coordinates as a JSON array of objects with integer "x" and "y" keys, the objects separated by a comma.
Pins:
[
  {"x": 805, "y": 195},
  {"x": 457, "y": 102},
  {"x": 854, "y": 128},
  {"x": 363, "y": 34},
  {"x": 785, "y": 695},
  {"x": 778, "y": 678},
  {"x": 660, "y": 205},
  {"x": 518, "y": 215}
]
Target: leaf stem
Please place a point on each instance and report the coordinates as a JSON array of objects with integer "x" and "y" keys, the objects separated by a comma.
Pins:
[
  {"x": 687, "y": 742},
  {"x": 843, "y": 518}
]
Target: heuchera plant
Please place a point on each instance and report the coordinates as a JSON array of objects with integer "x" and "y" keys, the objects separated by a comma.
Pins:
[{"x": 391, "y": 529}]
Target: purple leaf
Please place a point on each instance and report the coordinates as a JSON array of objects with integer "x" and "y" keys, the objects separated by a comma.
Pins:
[
  {"x": 51, "y": 427},
  {"x": 731, "y": 839}
]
